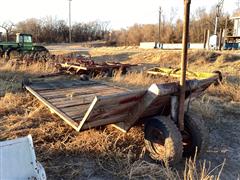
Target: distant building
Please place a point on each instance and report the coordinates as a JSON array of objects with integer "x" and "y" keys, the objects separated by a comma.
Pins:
[
  {"x": 232, "y": 37},
  {"x": 236, "y": 28}
]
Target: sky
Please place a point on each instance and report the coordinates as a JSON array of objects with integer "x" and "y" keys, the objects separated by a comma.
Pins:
[{"x": 120, "y": 13}]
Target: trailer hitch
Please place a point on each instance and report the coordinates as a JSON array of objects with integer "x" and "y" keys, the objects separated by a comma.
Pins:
[{"x": 220, "y": 78}]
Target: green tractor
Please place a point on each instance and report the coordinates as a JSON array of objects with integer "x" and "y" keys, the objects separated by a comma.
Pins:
[{"x": 22, "y": 47}]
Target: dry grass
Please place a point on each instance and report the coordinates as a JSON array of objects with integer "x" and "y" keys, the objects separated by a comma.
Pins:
[
  {"x": 191, "y": 170},
  {"x": 227, "y": 91},
  {"x": 139, "y": 80},
  {"x": 103, "y": 152},
  {"x": 12, "y": 74}
]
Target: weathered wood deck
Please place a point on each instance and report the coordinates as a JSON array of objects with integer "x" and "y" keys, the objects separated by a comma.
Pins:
[{"x": 87, "y": 104}]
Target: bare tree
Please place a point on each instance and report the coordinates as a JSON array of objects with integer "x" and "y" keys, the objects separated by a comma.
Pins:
[{"x": 8, "y": 27}]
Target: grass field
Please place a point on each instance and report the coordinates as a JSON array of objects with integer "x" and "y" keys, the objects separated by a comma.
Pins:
[{"x": 106, "y": 153}]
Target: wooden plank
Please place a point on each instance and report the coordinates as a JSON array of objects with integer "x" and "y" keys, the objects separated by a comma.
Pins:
[
  {"x": 81, "y": 96},
  {"x": 74, "y": 104},
  {"x": 85, "y": 118},
  {"x": 152, "y": 94},
  {"x": 78, "y": 91},
  {"x": 110, "y": 110},
  {"x": 66, "y": 118},
  {"x": 75, "y": 109},
  {"x": 121, "y": 97},
  {"x": 101, "y": 122},
  {"x": 118, "y": 99},
  {"x": 77, "y": 114},
  {"x": 80, "y": 100},
  {"x": 71, "y": 98},
  {"x": 78, "y": 117},
  {"x": 72, "y": 89},
  {"x": 72, "y": 101},
  {"x": 49, "y": 85}
]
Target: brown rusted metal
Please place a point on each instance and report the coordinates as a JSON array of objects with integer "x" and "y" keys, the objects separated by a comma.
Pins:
[
  {"x": 87, "y": 67},
  {"x": 184, "y": 64}
]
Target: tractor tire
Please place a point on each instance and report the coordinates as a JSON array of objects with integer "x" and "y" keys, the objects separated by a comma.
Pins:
[
  {"x": 195, "y": 136},
  {"x": 163, "y": 140},
  {"x": 14, "y": 54},
  {"x": 1, "y": 53},
  {"x": 44, "y": 55},
  {"x": 6, "y": 56},
  {"x": 36, "y": 56}
]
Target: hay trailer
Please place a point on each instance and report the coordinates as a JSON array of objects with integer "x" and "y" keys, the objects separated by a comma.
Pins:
[{"x": 88, "y": 104}]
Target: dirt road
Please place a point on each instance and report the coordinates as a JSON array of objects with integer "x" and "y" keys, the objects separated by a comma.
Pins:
[{"x": 224, "y": 141}]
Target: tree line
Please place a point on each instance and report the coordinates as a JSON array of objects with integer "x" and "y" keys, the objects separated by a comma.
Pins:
[
  {"x": 171, "y": 31},
  {"x": 50, "y": 30}
]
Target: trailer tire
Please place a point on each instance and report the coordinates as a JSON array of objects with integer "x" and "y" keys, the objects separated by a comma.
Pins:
[
  {"x": 195, "y": 135},
  {"x": 163, "y": 140}
]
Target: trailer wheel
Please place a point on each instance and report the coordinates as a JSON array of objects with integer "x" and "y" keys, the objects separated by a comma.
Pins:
[
  {"x": 163, "y": 140},
  {"x": 195, "y": 135}
]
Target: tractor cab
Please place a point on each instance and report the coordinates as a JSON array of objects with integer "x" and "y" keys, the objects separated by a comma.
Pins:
[{"x": 24, "y": 40}]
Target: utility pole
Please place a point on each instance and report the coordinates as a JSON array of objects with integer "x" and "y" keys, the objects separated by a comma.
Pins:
[
  {"x": 238, "y": 3},
  {"x": 218, "y": 13},
  {"x": 185, "y": 39},
  {"x": 70, "y": 23},
  {"x": 159, "y": 26}
]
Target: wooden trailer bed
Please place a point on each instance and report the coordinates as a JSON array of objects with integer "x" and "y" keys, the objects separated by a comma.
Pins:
[{"x": 88, "y": 104}]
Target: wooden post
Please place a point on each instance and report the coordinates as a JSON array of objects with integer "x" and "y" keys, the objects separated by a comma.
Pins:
[
  {"x": 159, "y": 26},
  {"x": 208, "y": 37},
  {"x": 205, "y": 39},
  {"x": 187, "y": 4},
  {"x": 220, "y": 40}
]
